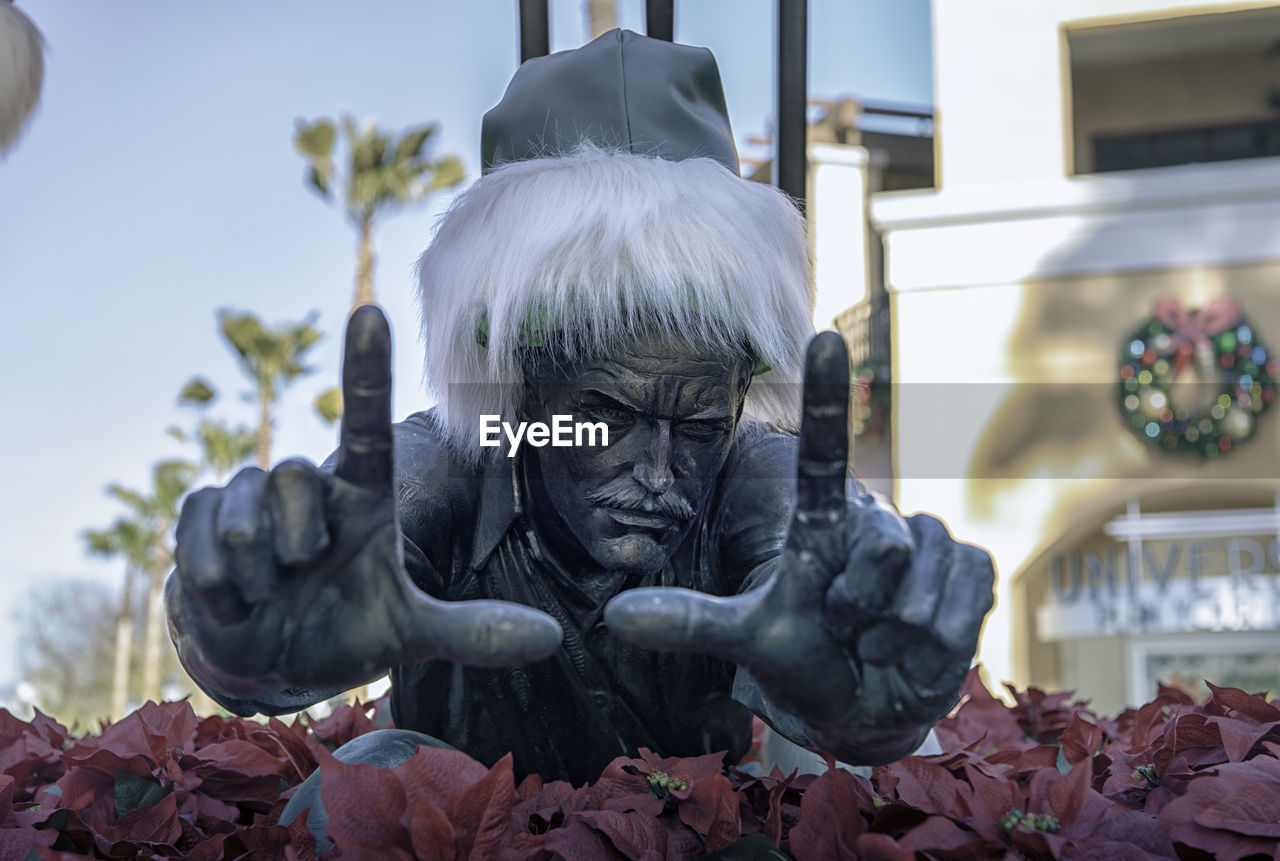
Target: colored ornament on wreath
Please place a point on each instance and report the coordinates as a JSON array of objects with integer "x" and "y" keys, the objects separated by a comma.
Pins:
[
  {"x": 871, "y": 400},
  {"x": 1240, "y": 372}
]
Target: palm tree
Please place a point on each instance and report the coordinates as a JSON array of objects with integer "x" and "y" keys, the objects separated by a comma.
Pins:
[
  {"x": 146, "y": 540},
  {"x": 384, "y": 172},
  {"x": 222, "y": 447},
  {"x": 129, "y": 538},
  {"x": 271, "y": 358}
]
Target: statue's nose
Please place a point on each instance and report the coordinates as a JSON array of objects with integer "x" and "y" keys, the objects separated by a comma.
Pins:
[{"x": 653, "y": 473}]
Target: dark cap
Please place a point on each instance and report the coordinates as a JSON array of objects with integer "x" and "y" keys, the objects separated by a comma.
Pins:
[{"x": 620, "y": 91}]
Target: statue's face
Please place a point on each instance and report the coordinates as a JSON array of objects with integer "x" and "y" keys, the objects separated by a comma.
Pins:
[{"x": 671, "y": 414}]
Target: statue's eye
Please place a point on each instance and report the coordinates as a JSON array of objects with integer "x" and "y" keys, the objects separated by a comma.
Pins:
[
  {"x": 702, "y": 431},
  {"x": 614, "y": 416}
]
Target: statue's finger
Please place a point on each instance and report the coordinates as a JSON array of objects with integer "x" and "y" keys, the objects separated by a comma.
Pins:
[
  {"x": 202, "y": 569},
  {"x": 880, "y": 551},
  {"x": 916, "y": 602},
  {"x": 822, "y": 467},
  {"x": 244, "y": 532},
  {"x": 364, "y": 456},
  {"x": 480, "y": 633},
  {"x": 966, "y": 598},
  {"x": 671, "y": 619},
  {"x": 295, "y": 491}
]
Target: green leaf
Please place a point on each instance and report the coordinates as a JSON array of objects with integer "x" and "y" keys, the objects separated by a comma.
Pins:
[
  {"x": 133, "y": 792},
  {"x": 328, "y": 404},
  {"x": 319, "y": 180},
  {"x": 448, "y": 173},
  {"x": 315, "y": 141},
  {"x": 197, "y": 390},
  {"x": 412, "y": 142}
]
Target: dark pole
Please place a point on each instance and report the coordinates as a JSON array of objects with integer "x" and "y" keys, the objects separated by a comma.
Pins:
[
  {"x": 793, "y": 66},
  {"x": 660, "y": 19},
  {"x": 535, "y": 38}
]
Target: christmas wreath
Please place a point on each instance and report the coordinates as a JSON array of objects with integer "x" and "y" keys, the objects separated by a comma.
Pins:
[{"x": 1233, "y": 365}]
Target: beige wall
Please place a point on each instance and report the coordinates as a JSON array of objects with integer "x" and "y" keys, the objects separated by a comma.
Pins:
[
  {"x": 1168, "y": 94},
  {"x": 1007, "y": 424},
  {"x": 1001, "y": 81}
]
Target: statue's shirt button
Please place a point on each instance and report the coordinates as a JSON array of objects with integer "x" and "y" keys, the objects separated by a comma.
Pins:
[{"x": 603, "y": 699}]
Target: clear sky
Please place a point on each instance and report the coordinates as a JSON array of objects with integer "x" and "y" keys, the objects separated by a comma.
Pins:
[{"x": 157, "y": 184}]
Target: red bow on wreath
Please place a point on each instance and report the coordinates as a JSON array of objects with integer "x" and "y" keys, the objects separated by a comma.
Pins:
[{"x": 1193, "y": 329}]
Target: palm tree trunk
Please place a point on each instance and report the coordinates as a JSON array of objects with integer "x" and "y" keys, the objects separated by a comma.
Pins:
[
  {"x": 364, "y": 267},
  {"x": 263, "y": 444},
  {"x": 124, "y": 650},
  {"x": 153, "y": 643}
]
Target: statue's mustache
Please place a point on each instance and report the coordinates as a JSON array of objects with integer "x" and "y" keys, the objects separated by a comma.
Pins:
[{"x": 665, "y": 505}]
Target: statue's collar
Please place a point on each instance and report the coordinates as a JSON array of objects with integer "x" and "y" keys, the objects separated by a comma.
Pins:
[{"x": 497, "y": 508}]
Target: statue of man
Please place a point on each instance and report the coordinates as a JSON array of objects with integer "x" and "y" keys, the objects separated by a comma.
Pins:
[{"x": 572, "y": 603}]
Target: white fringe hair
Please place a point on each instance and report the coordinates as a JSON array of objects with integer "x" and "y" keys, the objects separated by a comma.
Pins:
[{"x": 598, "y": 247}]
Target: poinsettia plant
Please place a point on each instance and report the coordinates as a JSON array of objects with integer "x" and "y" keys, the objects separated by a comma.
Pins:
[{"x": 1042, "y": 778}]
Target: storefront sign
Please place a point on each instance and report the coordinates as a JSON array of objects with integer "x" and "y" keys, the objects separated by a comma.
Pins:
[{"x": 1194, "y": 585}]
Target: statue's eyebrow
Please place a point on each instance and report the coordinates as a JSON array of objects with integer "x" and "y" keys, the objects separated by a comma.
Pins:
[{"x": 617, "y": 400}]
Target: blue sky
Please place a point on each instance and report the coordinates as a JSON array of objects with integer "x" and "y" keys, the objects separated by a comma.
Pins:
[{"x": 157, "y": 184}]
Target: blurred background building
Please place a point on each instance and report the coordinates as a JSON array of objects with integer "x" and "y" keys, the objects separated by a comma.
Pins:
[{"x": 1062, "y": 291}]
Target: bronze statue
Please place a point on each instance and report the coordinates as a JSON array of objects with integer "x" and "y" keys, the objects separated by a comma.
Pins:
[{"x": 571, "y": 603}]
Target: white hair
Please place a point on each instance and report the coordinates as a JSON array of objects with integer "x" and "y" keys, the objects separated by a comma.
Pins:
[{"x": 581, "y": 252}]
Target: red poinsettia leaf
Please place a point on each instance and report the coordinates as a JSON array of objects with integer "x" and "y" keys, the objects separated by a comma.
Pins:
[
  {"x": 302, "y": 843},
  {"x": 773, "y": 815},
  {"x": 830, "y": 821},
  {"x": 936, "y": 833},
  {"x": 926, "y": 785},
  {"x": 1067, "y": 793},
  {"x": 1081, "y": 740},
  {"x": 431, "y": 834},
  {"x": 154, "y": 825},
  {"x": 711, "y": 809},
  {"x": 1259, "y": 776},
  {"x": 78, "y": 789},
  {"x": 578, "y": 841},
  {"x": 365, "y": 804},
  {"x": 482, "y": 817},
  {"x": 1169, "y": 695},
  {"x": 981, "y": 716},
  {"x": 1239, "y": 736},
  {"x": 634, "y": 835},
  {"x": 1027, "y": 759},
  {"x": 1138, "y": 835},
  {"x": 530, "y": 787},
  {"x": 1252, "y": 810},
  {"x": 622, "y": 778},
  {"x": 16, "y": 843},
  {"x": 292, "y": 747},
  {"x": 1249, "y": 706},
  {"x": 993, "y": 798},
  {"x": 442, "y": 774}
]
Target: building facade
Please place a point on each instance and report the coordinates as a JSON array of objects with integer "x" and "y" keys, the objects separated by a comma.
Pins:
[{"x": 1083, "y": 318}]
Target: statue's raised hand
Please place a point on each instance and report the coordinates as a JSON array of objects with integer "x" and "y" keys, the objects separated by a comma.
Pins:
[
  {"x": 295, "y": 579},
  {"x": 867, "y": 626}
]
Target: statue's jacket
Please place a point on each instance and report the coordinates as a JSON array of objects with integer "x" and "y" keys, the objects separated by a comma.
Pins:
[{"x": 467, "y": 536}]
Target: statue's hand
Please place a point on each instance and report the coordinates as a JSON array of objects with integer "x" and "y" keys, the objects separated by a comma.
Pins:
[
  {"x": 295, "y": 578},
  {"x": 866, "y": 628}
]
